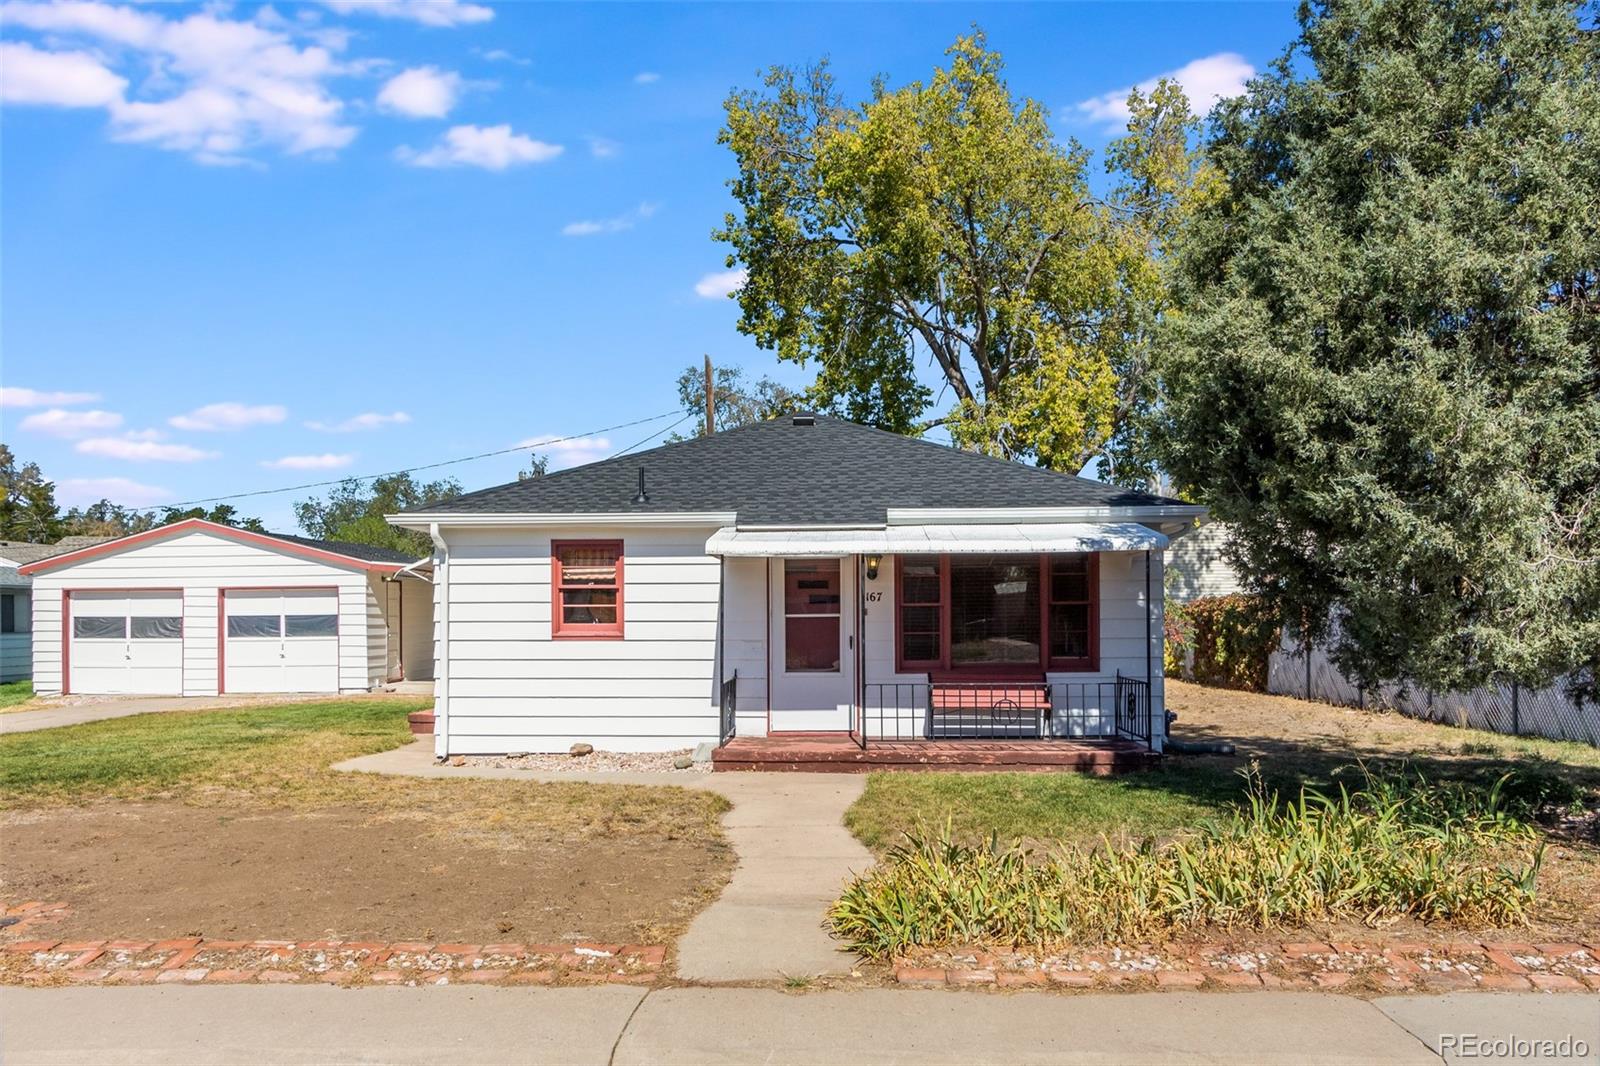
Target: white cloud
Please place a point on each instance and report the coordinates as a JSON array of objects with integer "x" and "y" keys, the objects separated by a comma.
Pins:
[
  {"x": 603, "y": 147},
  {"x": 646, "y": 77},
  {"x": 575, "y": 451},
  {"x": 421, "y": 92},
  {"x": 216, "y": 87},
  {"x": 489, "y": 147},
  {"x": 327, "y": 461},
  {"x": 219, "y": 416},
  {"x": 1204, "y": 81},
  {"x": 55, "y": 79},
  {"x": 720, "y": 284},
  {"x": 615, "y": 224},
  {"x": 138, "y": 448},
  {"x": 62, "y": 423},
  {"x": 79, "y": 491},
  {"x": 500, "y": 55},
  {"x": 443, "y": 13},
  {"x": 356, "y": 423},
  {"x": 16, "y": 396}
]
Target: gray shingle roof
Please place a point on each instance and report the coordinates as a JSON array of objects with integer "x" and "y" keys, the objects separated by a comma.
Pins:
[
  {"x": 370, "y": 553},
  {"x": 779, "y": 473},
  {"x": 23, "y": 552}
]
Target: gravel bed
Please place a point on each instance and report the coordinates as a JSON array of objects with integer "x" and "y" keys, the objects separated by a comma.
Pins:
[{"x": 653, "y": 761}]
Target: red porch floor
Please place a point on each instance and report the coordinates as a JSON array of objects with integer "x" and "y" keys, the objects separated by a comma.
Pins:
[{"x": 841, "y": 755}]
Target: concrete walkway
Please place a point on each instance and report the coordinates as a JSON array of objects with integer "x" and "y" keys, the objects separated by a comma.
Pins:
[
  {"x": 605, "y": 1025},
  {"x": 794, "y": 856}
]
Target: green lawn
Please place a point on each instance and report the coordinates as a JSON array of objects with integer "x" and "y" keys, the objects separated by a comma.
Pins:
[
  {"x": 1039, "y": 807},
  {"x": 278, "y": 756},
  {"x": 186, "y": 750},
  {"x": 13, "y": 693},
  {"x": 1293, "y": 742}
]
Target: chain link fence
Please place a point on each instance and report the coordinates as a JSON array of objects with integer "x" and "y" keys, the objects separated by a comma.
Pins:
[{"x": 1504, "y": 708}]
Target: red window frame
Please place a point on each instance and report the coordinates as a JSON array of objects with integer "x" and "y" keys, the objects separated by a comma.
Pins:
[
  {"x": 583, "y": 630},
  {"x": 1047, "y": 600},
  {"x": 1046, "y": 663}
]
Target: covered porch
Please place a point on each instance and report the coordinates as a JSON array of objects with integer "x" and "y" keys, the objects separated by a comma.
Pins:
[{"x": 922, "y": 646}]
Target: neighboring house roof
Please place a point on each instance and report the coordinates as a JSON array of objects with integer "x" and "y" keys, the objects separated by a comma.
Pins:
[
  {"x": 22, "y": 552},
  {"x": 10, "y": 579},
  {"x": 785, "y": 472},
  {"x": 364, "y": 555}
]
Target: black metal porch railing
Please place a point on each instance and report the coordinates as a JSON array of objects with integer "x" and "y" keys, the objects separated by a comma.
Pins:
[
  {"x": 925, "y": 710},
  {"x": 729, "y": 699}
]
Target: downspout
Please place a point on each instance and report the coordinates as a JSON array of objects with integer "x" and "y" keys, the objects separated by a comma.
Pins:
[
  {"x": 441, "y": 681},
  {"x": 1149, "y": 656}
]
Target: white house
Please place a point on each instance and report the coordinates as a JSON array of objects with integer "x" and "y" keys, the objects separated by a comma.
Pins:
[
  {"x": 16, "y": 642},
  {"x": 16, "y": 606},
  {"x": 198, "y": 609},
  {"x": 802, "y": 576},
  {"x": 1197, "y": 565}
]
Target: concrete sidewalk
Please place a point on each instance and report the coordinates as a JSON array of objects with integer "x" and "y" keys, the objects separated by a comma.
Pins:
[
  {"x": 307, "y": 1023},
  {"x": 794, "y": 853}
]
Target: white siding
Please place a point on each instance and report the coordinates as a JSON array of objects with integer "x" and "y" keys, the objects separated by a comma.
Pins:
[
  {"x": 1197, "y": 566},
  {"x": 16, "y": 649},
  {"x": 511, "y": 686},
  {"x": 200, "y": 564}
]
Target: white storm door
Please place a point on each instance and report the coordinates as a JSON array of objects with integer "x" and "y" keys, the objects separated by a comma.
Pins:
[
  {"x": 812, "y": 647},
  {"x": 281, "y": 640},
  {"x": 126, "y": 643}
]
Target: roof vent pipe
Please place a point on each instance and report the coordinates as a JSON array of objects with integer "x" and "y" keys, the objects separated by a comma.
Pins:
[
  {"x": 641, "y": 496},
  {"x": 805, "y": 420}
]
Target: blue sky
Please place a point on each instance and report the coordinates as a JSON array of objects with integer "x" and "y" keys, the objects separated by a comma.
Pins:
[{"x": 249, "y": 246}]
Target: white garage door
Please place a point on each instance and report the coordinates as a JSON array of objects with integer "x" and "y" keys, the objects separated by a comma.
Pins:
[
  {"x": 281, "y": 640},
  {"x": 126, "y": 643}
]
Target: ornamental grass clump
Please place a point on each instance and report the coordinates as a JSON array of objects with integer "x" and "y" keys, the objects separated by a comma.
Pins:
[{"x": 1392, "y": 849}]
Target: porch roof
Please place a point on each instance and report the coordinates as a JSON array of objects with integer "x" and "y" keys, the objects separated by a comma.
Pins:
[{"x": 982, "y": 538}]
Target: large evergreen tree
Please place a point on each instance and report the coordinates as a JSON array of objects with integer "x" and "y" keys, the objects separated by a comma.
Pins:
[{"x": 1386, "y": 369}]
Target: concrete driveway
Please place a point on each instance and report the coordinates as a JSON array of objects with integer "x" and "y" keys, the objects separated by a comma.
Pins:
[
  {"x": 73, "y": 712},
  {"x": 317, "y": 1024}
]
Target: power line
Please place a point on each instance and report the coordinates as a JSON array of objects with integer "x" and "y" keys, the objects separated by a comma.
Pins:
[
  {"x": 435, "y": 466},
  {"x": 654, "y": 435}
]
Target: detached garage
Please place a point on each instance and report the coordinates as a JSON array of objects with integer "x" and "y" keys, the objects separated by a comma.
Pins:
[{"x": 201, "y": 609}]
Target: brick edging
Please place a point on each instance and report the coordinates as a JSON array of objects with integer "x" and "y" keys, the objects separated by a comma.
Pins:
[
  {"x": 1347, "y": 967},
  {"x": 191, "y": 960}
]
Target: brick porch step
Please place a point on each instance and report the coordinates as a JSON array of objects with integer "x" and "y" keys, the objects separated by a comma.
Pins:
[{"x": 421, "y": 723}]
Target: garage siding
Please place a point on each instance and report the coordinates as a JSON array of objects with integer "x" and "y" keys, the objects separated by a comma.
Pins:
[
  {"x": 513, "y": 687},
  {"x": 200, "y": 564}
]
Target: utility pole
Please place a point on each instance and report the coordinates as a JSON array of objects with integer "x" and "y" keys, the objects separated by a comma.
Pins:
[{"x": 711, "y": 401}]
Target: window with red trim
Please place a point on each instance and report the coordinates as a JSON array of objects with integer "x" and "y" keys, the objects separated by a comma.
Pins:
[
  {"x": 920, "y": 588},
  {"x": 992, "y": 614},
  {"x": 586, "y": 588},
  {"x": 1071, "y": 615}
]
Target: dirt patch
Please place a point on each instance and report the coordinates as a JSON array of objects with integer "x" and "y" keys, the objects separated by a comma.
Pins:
[{"x": 165, "y": 869}]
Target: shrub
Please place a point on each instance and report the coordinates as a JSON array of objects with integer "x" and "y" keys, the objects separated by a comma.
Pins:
[
  {"x": 1393, "y": 849},
  {"x": 1232, "y": 638}
]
